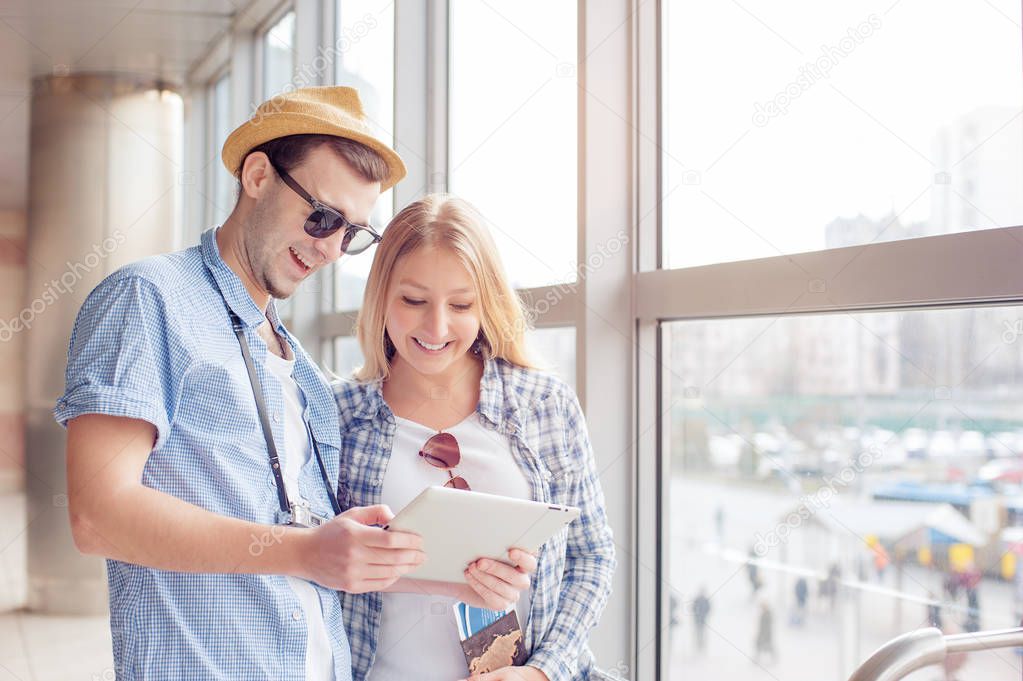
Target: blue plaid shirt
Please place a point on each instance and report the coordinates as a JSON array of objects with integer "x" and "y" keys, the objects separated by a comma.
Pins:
[
  {"x": 154, "y": 342},
  {"x": 541, "y": 417}
]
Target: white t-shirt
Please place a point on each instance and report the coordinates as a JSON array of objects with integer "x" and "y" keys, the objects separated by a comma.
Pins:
[
  {"x": 418, "y": 638},
  {"x": 319, "y": 658}
]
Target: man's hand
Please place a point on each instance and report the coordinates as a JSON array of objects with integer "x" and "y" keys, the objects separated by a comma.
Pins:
[
  {"x": 526, "y": 673},
  {"x": 495, "y": 585},
  {"x": 351, "y": 555}
]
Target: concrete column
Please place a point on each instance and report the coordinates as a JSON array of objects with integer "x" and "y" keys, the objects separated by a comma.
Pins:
[
  {"x": 12, "y": 384},
  {"x": 12, "y": 412},
  {"x": 105, "y": 155}
]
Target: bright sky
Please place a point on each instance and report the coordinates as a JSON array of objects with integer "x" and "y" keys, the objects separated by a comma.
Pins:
[
  {"x": 513, "y": 129},
  {"x": 858, "y": 141}
]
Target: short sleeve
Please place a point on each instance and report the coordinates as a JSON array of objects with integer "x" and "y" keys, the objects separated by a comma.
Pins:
[{"x": 118, "y": 356}]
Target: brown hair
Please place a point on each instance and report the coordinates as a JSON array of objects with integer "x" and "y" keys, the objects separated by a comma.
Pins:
[
  {"x": 289, "y": 152},
  {"x": 443, "y": 221}
]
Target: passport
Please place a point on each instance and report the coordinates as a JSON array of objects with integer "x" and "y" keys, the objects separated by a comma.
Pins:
[{"x": 490, "y": 639}]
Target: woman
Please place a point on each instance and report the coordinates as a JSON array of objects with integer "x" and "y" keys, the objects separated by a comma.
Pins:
[{"x": 442, "y": 332}]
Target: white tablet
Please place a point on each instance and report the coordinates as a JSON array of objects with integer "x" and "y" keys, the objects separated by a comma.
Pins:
[{"x": 458, "y": 526}]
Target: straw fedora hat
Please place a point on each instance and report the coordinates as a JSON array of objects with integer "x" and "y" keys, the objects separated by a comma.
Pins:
[{"x": 311, "y": 110}]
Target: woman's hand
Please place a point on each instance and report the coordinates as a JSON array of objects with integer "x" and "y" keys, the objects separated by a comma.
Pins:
[
  {"x": 495, "y": 585},
  {"x": 526, "y": 673}
]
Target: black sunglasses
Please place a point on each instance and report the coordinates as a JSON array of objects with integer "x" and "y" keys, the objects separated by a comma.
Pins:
[{"x": 324, "y": 221}]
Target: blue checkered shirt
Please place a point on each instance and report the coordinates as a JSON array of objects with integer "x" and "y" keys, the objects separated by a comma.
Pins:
[
  {"x": 154, "y": 342},
  {"x": 541, "y": 417}
]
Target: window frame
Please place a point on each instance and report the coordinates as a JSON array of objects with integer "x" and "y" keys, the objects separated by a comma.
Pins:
[{"x": 875, "y": 276}]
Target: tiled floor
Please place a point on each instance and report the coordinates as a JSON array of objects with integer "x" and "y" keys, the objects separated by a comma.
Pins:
[
  {"x": 37, "y": 647},
  {"x": 12, "y": 552},
  {"x": 51, "y": 648}
]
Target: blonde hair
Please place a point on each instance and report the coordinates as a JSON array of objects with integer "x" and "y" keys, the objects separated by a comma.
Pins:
[{"x": 442, "y": 221}]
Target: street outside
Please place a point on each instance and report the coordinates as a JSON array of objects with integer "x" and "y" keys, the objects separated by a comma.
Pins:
[{"x": 828, "y": 646}]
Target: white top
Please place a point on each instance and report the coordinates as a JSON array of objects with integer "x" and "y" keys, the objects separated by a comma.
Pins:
[
  {"x": 418, "y": 638},
  {"x": 319, "y": 658}
]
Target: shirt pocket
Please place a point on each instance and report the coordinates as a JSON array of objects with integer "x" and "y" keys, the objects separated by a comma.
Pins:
[
  {"x": 558, "y": 464},
  {"x": 326, "y": 433},
  {"x": 217, "y": 399}
]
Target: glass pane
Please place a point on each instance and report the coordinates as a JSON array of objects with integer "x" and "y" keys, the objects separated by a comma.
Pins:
[
  {"x": 868, "y": 463},
  {"x": 279, "y": 56},
  {"x": 853, "y": 123},
  {"x": 512, "y": 130},
  {"x": 365, "y": 61},
  {"x": 554, "y": 349},
  {"x": 350, "y": 275},
  {"x": 224, "y": 185},
  {"x": 347, "y": 356}
]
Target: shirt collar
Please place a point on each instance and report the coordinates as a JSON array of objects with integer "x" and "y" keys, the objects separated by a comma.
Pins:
[
  {"x": 372, "y": 403},
  {"x": 235, "y": 295},
  {"x": 491, "y": 404},
  {"x": 500, "y": 402},
  {"x": 498, "y": 406}
]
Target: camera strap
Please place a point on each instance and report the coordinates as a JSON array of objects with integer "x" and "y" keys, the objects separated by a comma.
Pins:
[{"x": 264, "y": 422}]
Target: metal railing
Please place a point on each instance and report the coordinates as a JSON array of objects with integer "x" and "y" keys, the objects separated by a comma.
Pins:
[{"x": 925, "y": 647}]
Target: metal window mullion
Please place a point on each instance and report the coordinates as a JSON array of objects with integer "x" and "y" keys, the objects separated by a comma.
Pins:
[
  {"x": 547, "y": 307},
  {"x": 205, "y": 178},
  {"x": 330, "y": 40},
  {"x": 648, "y": 135},
  {"x": 551, "y": 306},
  {"x": 310, "y": 37},
  {"x": 308, "y": 41},
  {"x": 651, "y": 602},
  {"x": 411, "y": 58},
  {"x": 969, "y": 268},
  {"x": 605, "y": 329},
  {"x": 337, "y": 324},
  {"x": 580, "y": 198},
  {"x": 438, "y": 91},
  {"x": 196, "y": 136}
]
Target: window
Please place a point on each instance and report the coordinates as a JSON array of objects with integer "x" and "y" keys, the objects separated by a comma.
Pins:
[
  {"x": 820, "y": 125},
  {"x": 279, "y": 56},
  {"x": 513, "y": 152},
  {"x": 222, "y": 191},
  {"x": 864, "y": 463},
  {"x": 364, "y": 46},
  {"x": 554, "y": 349},
  {"x": 347, "y": 356},
  {"x": 811, "y": 441}
]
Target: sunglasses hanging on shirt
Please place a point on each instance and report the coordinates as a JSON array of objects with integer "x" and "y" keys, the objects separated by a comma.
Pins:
[{"x": 442, "y": 451}]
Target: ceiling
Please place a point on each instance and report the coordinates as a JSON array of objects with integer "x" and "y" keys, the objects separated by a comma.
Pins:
[{"x": 161, "y": 38}]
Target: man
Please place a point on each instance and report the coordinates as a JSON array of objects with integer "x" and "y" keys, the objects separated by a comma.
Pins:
[
  {"x": 701, "y": 610},
  {"x": 802, "y": 593},
  {"x": 203, "y": 442}
]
